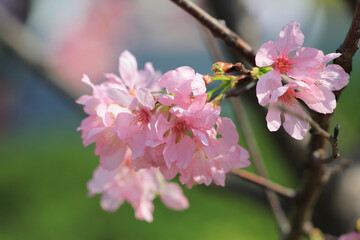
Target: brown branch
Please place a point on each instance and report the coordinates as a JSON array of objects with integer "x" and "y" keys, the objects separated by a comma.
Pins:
[
  {"x": 218, "y": 29},
  {"x": 337, "y": 168},
  {"x": 234, "y": 92},
  {"x": 264, "y": 183},
  {"x": 314, "y": 177},
  {"x": 351, "y": 43}
]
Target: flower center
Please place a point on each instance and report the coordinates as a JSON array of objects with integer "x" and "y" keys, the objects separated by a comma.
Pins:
[
  {"x": 289, "y": 98},
  {"x": 179, "y": 130},
  {"x": 283, "y": 64},
  {"x": 140, "y": 117}
]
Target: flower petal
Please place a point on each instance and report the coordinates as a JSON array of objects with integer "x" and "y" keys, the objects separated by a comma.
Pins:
[
  {"x": 290, "y": 38},
  {"x": 329, "y": 57},
  {"x": 273, "y": 119},
  {"x": 334, "y": 77},
  {"x": 145, "y": 97},
  {"x": 112, "y": 161},
  {"x": 128, "y": 68},
  {"x": 294, "y": 126},
  {"x": 198, "y": 85},
  {"x": 266, "y": 55},
  {"x": 307, "y": 59},
  {"x": 266, "y": 85},
  {"x": 173, "y": 197},
  {"x": 172, "y": 79},
  {"x": 120, "y": 96}
]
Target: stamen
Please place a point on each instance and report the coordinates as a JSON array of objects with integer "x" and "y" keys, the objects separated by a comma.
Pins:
[
  {"x": 289, "y": 98},
  {"x": 140, "y": 117},
  {"x": 180, "y": 129},
  {"x": 283, "y": 63}
]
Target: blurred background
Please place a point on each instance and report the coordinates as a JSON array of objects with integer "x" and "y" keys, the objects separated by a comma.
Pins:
[{"x": 46, "y": 46}]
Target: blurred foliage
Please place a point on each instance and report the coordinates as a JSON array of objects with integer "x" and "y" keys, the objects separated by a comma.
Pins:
[{"x": 43, "y": 196}]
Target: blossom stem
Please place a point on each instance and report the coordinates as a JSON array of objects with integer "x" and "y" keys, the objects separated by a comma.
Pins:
[
  {"x": 223, "y": 85},
  {"x": 159, "y": 92},
  {"x": 264, "y": 182},
  {"x": 223, "y": 78}
]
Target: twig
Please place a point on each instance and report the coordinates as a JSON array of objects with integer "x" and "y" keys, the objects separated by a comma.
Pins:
[
  {"x": 351, "y": 43},
  {"x": 234, "y": 92},
  {"x": 337, "y": 168},
  {"x": 335, "y": 149},
  {"x": 264, "y": 182},
  {"x": 218, "y": 29}
]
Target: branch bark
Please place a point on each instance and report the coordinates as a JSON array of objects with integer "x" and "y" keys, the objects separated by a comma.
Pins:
[{"x": 264, "y": 183}]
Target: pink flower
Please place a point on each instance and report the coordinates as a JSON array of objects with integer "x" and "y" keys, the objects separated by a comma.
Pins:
[
  {"x": 188, "y": 88},
  {"x": 212, "y": 161},
  {"x": 118, "y": 96},
  {"x": 99, "y": 103},
  {"x": 110, "y": 150},
  {"x": 136, "y": 84},
  {"x": 288, "y": 95},
  {"x": 350, "y": 236},
  {"x": 324, "y": 80},
  {"x": 138, "y": 188},
  {"x": 184, "y": 130},
  {"x": 134, "y": 127},
  {"x": 191, "y": 147},
  {"x": 167, "y": 134},
  {"x": 285, "y": 56},
  {"x": 296, "y": 73}
]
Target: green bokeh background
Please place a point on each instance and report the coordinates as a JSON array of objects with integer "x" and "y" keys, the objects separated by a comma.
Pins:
[{"x": 44, "y": 169}]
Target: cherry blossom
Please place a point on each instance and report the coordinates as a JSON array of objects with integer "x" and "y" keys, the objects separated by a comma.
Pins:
[
  {"x": 146, "y": 136},
  {"x": 294, "y": 72},
  {"x": 350, "y": 236},
  {"x": 139, "y": 188},
  {"x": 111, "y": 98}
]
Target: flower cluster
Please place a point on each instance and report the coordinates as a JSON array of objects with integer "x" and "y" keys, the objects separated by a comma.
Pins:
[
  {"x": 145, "y": 136},
  {"x": 289, "y": 72}
]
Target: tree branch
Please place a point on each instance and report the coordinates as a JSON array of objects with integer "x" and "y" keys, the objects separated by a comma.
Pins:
[
  {"x": 264, "y": 183},
  {"x": 351, "y": 43},
  {"x": 218, "y": 29}
]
